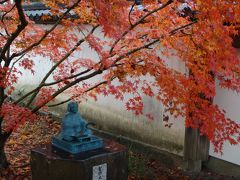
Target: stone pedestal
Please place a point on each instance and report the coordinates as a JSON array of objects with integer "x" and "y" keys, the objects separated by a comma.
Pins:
[
  {"x": 85, "y": 143},
  {"x": 109, "y": 163}
]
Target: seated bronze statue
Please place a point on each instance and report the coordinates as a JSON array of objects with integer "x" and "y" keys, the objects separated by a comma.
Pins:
[
  {"x": 73, "y": 125},
  {"x": 75, "y": 137}
]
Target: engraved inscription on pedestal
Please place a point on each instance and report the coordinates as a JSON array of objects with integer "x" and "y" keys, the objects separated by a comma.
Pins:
[{"x": 100, "y": 172}]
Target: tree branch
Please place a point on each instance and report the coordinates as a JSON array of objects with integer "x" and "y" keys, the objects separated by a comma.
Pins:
[
  {"x": 46, "y": 33},
  {"x": 2, "y": 19},
  {"x": 139, "y": 22},
  {"x": 6, "y": 47},
  {"x": 93, "y": 74},
  {"x": 61, "y": 90},
  {"x": 135, "y": 50},
  {"x": 13, "y": 64},
  {"x": 129, "y": 14},
  {"x": 88, "y": 70},
  {"x": 99, "y": 71},
  {"x": 3, "y": 1},
  {"x": 90, "y": 89},
  {"x": 48, "y": 84},
  {"x": 42, "y": 83},
  {"x": 182, "y": 27},
  {"x": 15, "y": 34}
]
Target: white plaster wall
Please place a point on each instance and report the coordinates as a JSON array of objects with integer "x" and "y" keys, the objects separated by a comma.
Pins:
[
  {"x": 112, "y": 115},
  {"x": 230, "y": 102}
]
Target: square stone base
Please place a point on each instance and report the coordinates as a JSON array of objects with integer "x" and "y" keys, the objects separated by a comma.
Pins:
[
  {"x": 109, "y": 163},
  {"x": 87, "y": 143}
]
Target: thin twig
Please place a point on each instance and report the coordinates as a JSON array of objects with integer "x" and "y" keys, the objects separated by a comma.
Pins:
[
  {"x": 2, "y": 2},
  {"x": 129, "y": 14},
  {"x": 139, "y": 22},
  {"x": 14, "y": 65},
  {"x": 42, "y": 83},
  {"x": 2, "y": 19},
  {"x": 93, "y": 74},
  {"x": 46, "y": 33},
  {"x": 57, "y": 64},
  {"x": 89, "y": 89},
  {"x": 182, "y": 27},
  {"x": 15, "y": 34}
]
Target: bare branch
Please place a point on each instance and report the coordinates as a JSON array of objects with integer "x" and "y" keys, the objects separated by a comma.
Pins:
[
  {"x": 135, "y": 50},
  {"x": 129, "y": 14},
  {"x": 2, "y": 19},
  {"x": 93, "y": 74},
  {"x": 182, "y": 27},
  {"x": 67, "y": 78},
  {"x": 42, "y": 83},
  {"x": 48, "y": 84},
  {"x": 3, "y": 1},
  {"x": 139, "y": 22},
  {"x": 53, "y": 68},
  {"x": 151, "y": 43},
  {"x": 28, "y": 94},
  {"x": 15, "y": 34},
  {"x": 61, "y": 90},
  {"x": 15, "y": 62},
  {"x": 60, "y": 103},
  {"x": 113, "y": 65},
  {"x": 90, "y": 89},
  {"x": 6, "y": 47},
  {"x": 46, "y": 33}
]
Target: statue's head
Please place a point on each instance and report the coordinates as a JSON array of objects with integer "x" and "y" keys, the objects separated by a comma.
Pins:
[{"x": 72, "y": 107}]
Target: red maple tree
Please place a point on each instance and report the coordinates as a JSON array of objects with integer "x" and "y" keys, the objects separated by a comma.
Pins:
[{"x": 199, "y": 32}]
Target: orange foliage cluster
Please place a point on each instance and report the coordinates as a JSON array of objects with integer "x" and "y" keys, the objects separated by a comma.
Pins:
[{"x": 140, "y": 41}]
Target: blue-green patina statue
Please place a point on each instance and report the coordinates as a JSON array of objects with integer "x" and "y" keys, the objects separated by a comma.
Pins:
[
  {"x": 73, "y": 125},
  {"x": 75, "y": 137}
]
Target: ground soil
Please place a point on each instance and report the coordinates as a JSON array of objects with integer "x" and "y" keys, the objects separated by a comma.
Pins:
[{"x": 33, "y": 134}]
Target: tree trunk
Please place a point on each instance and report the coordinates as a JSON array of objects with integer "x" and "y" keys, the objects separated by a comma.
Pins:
[
  {"x": 196, "y": 150},
  {"x": 3, "y": 159}
]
